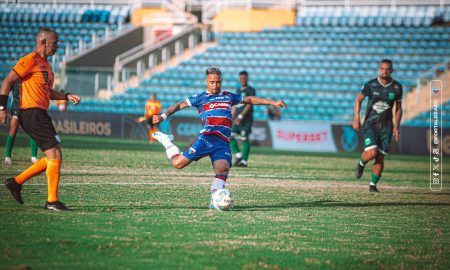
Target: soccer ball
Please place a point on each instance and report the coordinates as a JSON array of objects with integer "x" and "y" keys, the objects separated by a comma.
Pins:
[{"x": 223, "y": 199}]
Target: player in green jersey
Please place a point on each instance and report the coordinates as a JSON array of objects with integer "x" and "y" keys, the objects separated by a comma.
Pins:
[
  {"x": 242, "y": 122},
  {"x": 383, "y": 93},
  {"x": 14, "y": 126}
]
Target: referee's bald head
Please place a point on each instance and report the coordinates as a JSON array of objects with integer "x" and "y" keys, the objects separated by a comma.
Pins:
[{"x": 44, "y": 34}]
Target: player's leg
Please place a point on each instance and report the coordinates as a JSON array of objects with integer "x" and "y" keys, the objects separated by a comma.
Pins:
[
  {"x": 13, "y": 127},
  {"x": 246, "y": 145},
  {"x": 377, "y": 170},
  {"x": 384, "y": 140},
  {"x": 221, "y": 162},
  {"x": 172, "y": 151},
  {"x": 235, "y": 146},
  {"x": 369, "y": 153},
  {"x": 221, "y": 169},
  {"x": 33, "y": 150}
]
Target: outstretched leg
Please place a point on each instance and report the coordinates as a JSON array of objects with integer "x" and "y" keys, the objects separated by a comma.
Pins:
[{"x": 172, "y": 151}]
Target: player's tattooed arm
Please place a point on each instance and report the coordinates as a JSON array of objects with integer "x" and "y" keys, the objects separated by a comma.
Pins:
[
  {"x": 55, "y": 95},
  {"x": 263, "y": 101},
  {"x": 357, "y": 109},
  {"x": 397, "y": 119},
  {"x": 156, "y": 119}
]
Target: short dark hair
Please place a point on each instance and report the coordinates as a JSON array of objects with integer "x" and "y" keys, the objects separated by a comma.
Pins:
[
  {"x": 388, "y": 61},
  {"x": 213, "y": 70},
  {"x": 244, "y": 72}
]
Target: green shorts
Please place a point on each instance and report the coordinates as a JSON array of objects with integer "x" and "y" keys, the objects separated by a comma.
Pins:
[
  {"x": 377, "y": 138},
  {"x": 242, "y": 131}
]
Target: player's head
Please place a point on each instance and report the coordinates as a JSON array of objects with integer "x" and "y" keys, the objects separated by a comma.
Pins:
[
  {"x": 386, "y": 69},
  {"x": 213, "y": 80},
  {"x": 243, "y": 78},
  {"x": 47, "y": 41},
  {"x": 153, "y": 96}
]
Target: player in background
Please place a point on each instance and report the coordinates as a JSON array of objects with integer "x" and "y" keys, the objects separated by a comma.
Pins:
[
  {"x": 152, "y": 107},
  {"x": 242, "y": 122},
  {"x": 383, "y": 93},
  {"x": 214, "y": 107},
  {"x": 14, "y": 126},
  {"x": 36, "y": 76}
]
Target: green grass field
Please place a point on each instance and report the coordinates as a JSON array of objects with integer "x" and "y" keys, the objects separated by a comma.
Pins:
[{"x": 131, "y": 210}]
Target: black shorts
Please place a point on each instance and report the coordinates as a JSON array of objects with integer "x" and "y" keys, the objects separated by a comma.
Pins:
[{"x": 38, "y": 124}]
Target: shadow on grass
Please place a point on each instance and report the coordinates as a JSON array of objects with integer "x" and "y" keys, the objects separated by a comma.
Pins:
[
  {"x": 333, "y": 204},
  {"x": 321, "y": 204}
]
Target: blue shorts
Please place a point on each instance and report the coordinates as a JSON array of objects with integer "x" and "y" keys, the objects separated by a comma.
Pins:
[{"x": 208, "y": 145}]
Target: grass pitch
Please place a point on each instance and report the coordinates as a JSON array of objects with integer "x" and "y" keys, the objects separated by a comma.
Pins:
[{"x": 131, "y": 210}]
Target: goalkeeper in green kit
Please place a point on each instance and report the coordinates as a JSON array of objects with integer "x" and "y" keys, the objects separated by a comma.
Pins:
[{"x": 242, "y": 123}]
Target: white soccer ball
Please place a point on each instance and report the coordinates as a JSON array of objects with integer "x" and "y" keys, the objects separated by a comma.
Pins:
[{"x": 223, "y": 199}]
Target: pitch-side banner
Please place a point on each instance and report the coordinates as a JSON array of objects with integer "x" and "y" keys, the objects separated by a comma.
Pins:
[{"x": 302, "y": 136}]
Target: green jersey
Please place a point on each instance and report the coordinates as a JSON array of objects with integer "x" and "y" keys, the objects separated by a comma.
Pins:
[
  {"x": 15, "y": 90},
  {"x": 381, "y": 101},
  {"x": 245, "y": 92}
]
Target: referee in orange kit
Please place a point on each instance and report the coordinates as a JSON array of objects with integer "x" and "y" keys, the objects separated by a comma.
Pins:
[{"x": 36, "y": 76}]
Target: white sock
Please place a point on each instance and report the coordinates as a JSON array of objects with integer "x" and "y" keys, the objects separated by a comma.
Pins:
[
  {"x": 372, "y": 184},
  {"x": 217, "y": 184},
  {"x": 172, "y": 151},
  {"x": 239, "y": 155}
]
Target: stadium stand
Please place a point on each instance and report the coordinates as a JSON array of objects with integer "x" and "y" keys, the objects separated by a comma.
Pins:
[
  {"x": 423, "y": 119},
  {"x": 20, "y": 22},
  {"x": 317, "y": 66}
]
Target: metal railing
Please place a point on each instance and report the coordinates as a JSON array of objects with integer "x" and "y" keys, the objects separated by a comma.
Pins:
[{"x": 150, "y": 54}]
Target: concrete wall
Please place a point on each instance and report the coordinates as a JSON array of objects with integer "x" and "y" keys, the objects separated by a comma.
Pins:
[{"x": 252, "y": 20}]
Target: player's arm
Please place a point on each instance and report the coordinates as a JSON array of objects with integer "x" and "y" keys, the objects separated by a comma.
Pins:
[
  {"x": 397, "y": 119},
  {"x": 55, "y": 95},
  {"x": 156, "y": 119},
  {"x": 243, "y": 113},
  {"x": 357, "y": 109},
  {"x": 263, "y": 101},
  {"x": 7, "y": 82}
]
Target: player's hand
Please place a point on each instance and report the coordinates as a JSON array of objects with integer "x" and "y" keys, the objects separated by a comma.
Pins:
[
  {"x": 156, "y": 119},
  {"x": 356, "y": 125},
  {"x": 279, "y": 104},
  {"x": 74, "y": 99},
  {"x": 396, "y": 132},
  {"x": 3, "y": 117},
  {"x": 237, "y": 121}
]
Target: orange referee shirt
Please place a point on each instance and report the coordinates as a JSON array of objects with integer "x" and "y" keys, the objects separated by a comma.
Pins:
[
  {"x": 36, "y": 77},
  {"x": 152, "y": 107}
]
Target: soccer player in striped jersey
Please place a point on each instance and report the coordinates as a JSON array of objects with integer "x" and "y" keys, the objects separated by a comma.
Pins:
[{"x": 214, "y": 107}]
